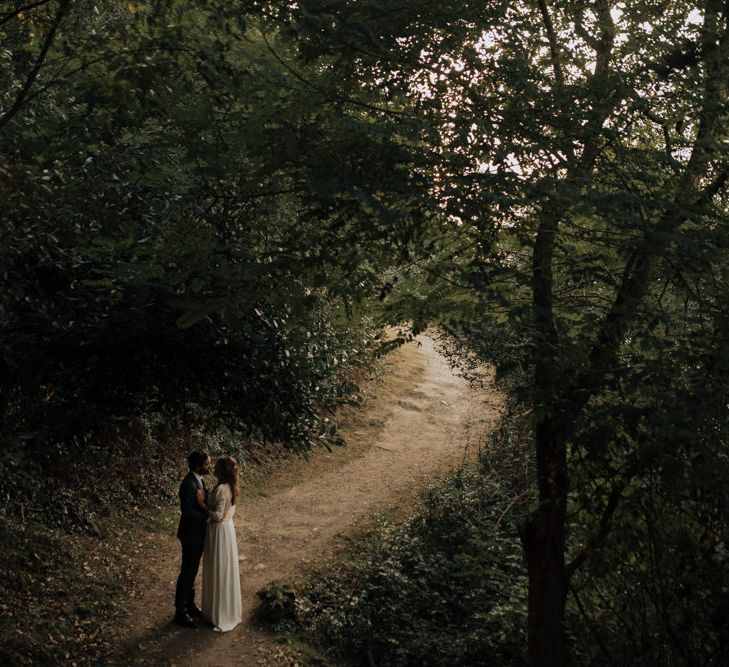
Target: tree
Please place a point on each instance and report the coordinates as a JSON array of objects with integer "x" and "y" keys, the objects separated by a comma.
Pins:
[
  {"x": 576, "y": 155},
  {"x": 553, "y": 172},
  {"x": 163, "y": 243}
]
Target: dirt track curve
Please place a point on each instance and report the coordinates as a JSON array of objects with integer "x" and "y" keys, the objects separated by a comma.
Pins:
[{"x": 413, "y": 426}]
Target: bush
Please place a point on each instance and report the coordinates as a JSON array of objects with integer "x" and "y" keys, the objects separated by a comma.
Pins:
[{"x": 446, "y": 588}]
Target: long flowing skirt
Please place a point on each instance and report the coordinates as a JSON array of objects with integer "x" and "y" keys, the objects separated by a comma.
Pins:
[{"x": 221, "y": 601}]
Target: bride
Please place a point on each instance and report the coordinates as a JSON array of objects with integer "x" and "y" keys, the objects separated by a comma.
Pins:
[{"x": 221, "y": 600}]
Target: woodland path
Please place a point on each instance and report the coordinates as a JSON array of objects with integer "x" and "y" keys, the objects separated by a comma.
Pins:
[{"x": 418, "y": 420}]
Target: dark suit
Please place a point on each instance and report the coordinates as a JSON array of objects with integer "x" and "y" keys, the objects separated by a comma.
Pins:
[{"x": 191, "y": 533}]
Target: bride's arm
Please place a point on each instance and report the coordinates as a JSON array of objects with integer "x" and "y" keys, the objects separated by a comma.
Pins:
[
  {"x": 221, "y": 502},
  {"x": 191, "y": 510}
]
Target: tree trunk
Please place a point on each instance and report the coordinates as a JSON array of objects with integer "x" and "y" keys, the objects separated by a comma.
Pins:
[
  {"x": 543, "y": 533},
  {"x": 543, "y": 538}
]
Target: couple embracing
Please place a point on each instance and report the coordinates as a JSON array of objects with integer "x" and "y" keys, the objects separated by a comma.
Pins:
[{"x": 207, "y": 533}]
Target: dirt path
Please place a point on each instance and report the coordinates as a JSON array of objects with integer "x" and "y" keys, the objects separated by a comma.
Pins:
[{"x": 412, "y": 429}]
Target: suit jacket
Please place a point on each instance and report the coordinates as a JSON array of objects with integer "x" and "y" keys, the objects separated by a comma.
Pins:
[{"x": 193, "y": 520}]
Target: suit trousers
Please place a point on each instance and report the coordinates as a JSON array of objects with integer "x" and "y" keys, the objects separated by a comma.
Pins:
[{"x": 185, "y": 590}]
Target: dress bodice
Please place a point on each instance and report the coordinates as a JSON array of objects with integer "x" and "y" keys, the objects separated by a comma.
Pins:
[{"x": 220, "y": 503}]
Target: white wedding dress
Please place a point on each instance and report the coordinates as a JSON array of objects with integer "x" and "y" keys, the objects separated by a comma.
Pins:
[{"x": 221, "y": 601}]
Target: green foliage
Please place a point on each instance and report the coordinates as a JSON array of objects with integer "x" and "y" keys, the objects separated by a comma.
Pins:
[
  {"x": 277, "y": 602},
  {"x": 161, "y": 244},
  {"x": 446, "y": 588},
  {"x": 654, "y": 588},
  {"x": 656, "y": 592},
  {"x": 201, "y": 203},
  {"x": 578, "y": 157}
]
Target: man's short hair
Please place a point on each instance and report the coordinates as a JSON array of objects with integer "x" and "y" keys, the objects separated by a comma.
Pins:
[{"x": 196, "y": 458}]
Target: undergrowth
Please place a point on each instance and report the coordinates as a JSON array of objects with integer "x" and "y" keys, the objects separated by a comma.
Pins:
[
  {"x": 447, "y": 587},
  {"x": 72, "y": 519}
]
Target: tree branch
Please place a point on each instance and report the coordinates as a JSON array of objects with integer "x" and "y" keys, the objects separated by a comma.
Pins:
[
  {"x": 641, "y": 265},
  {"x": 642, "y": 106},
  {"x": 603, "y": 102},
  {"x": 715, "y": 89},
  {"x": 553, "y": 45},
  {"x": 6, "y": 17},
  {"x": 10, "y": 113},
  {"x": 311, "y": 85},
  {"x": 611, "y": 507},
  {"x": 606, "y": 40}
]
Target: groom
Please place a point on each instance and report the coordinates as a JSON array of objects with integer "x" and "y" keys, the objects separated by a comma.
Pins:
[{"x": 191, "y": 533}]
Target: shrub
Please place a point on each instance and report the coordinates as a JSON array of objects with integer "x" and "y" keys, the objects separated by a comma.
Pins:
[{"x": 446, "y": 588}]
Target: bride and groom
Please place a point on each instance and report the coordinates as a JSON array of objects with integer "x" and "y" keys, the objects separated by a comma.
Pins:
[{"x": 207, "y": 533}]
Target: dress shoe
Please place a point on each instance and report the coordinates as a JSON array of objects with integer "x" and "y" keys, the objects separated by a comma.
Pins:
[
  {"x": 184, "y": 619},
  {"x": 194, "y": 611}
]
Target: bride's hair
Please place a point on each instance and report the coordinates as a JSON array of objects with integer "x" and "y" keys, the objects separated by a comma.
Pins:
[{"x": 229, "y": 469}]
